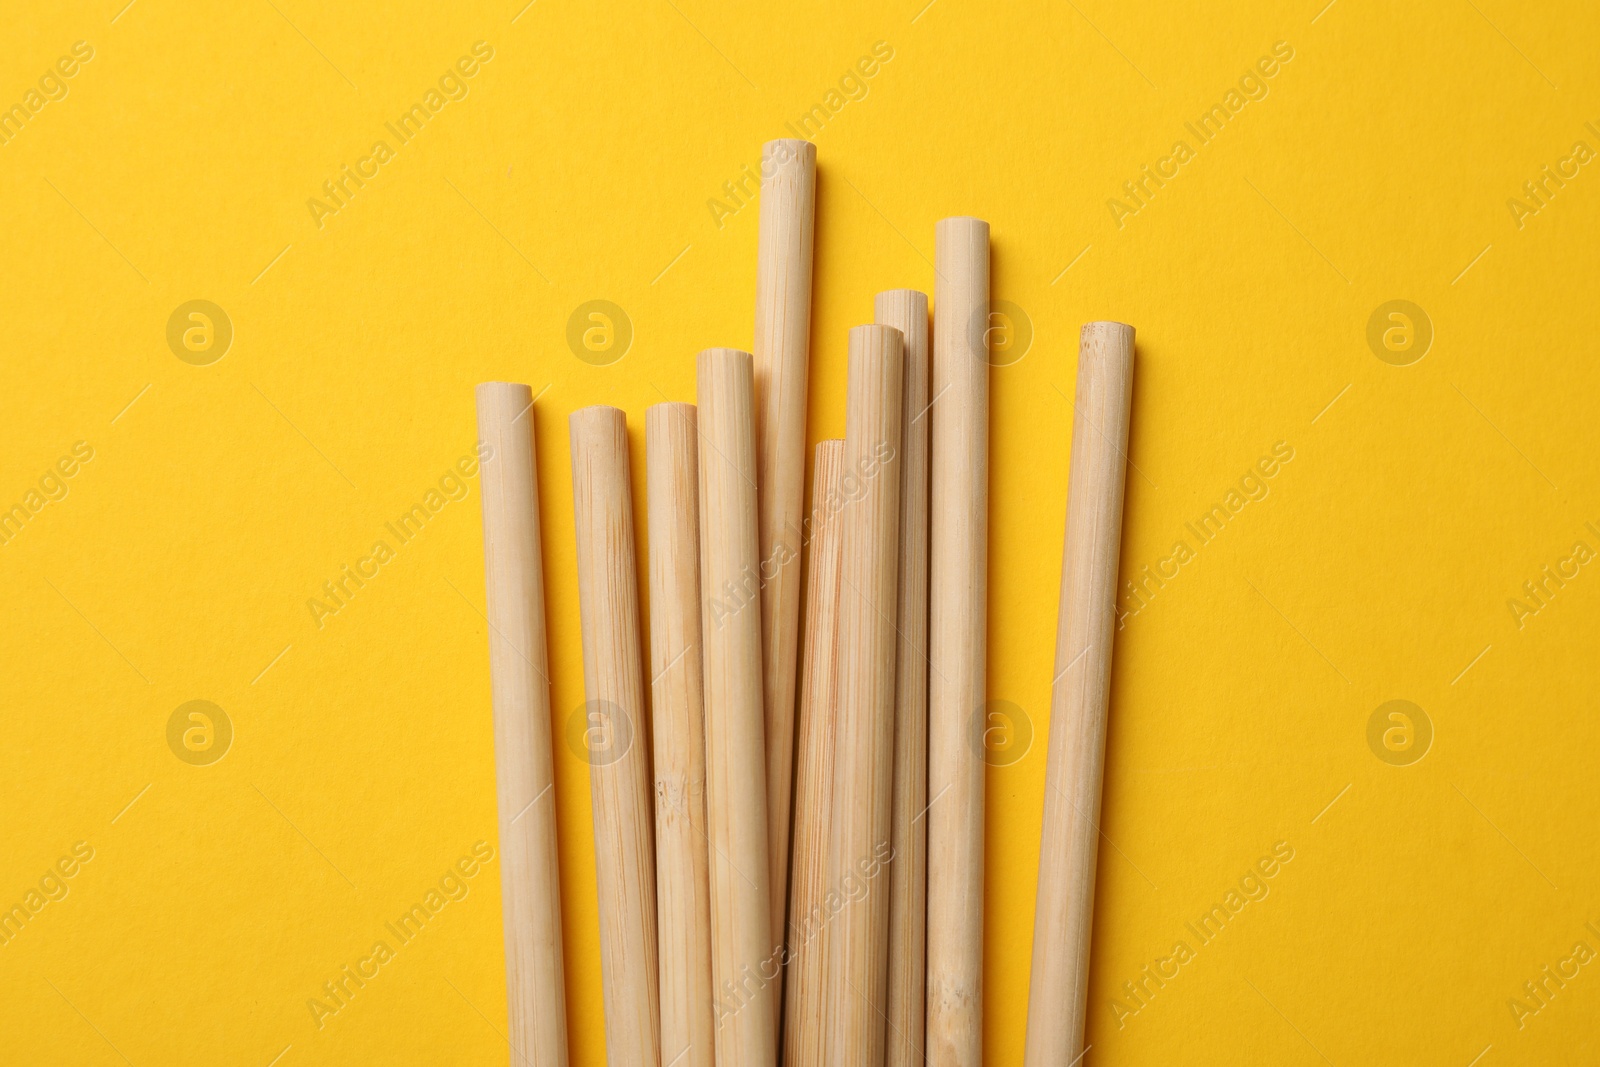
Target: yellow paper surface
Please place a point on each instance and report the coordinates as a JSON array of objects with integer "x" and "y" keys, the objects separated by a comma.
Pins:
[{"x": 585, "y": 158}]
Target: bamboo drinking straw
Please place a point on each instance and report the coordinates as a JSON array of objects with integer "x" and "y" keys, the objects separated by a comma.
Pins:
[
  {"x": 519, "y": 671},
  {"x": 608, "y": 598},
  {"x": 744, "y": 964},
  {"x": 683, "y": 880},
  {"x": 958, "y": 588},
  {"x": 863, "y": 786},
  {"x": 813, "y": 789},
  {"x": 782, "y": 350},
  {"x": 1067, "y": 848},
  {"x": 907, "y": 311}
]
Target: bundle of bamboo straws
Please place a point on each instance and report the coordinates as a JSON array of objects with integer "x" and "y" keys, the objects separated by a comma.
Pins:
[{"x": 867, "y": 950}]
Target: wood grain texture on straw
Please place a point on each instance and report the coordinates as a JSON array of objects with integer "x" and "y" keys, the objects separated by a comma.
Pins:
[
  {"x": 615, "y": 748},
  {"x": 519, "y": 677},
  {"x": 905, "y": 1015},
  {"x": 958, "y": 589},
  {"x": 683, "y": 880},
  {"x": 782, "y": 356},
  {"x": 861, "y": 852},
  {"x": 809, "y": 910},
  {"x": 1069, "y": 840},
  {"x": 744, "y": 963}
]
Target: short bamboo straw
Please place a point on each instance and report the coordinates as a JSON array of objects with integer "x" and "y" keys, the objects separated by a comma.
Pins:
[
  {"x": 863, "y": 751},
  {"x": 519, "y": 676},
  {"x": 683, "y": 880},
  {"x": 907, "y": 311},
  {"x": 608, "y": 598},
  {"x": 1068, "y": 845},
  {"x": 782, "y": 351},
  {"x": 809, "y": 911},
  {"x": 744, "y": 964},
  {"x": 958, "y": 589}
]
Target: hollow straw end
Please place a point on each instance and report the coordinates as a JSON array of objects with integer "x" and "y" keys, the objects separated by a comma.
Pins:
[
  {"x": 668, "y": 409},
  {"x": 874, "y": 336},
  {"x": 787, "y": 153},
  {"x": 889, "y": 299},
  {"x": 1115, "y": 332},
  {"x": 593, "y": 422},
  {"x": 712, "y": 361},
  {"x": 959, "y": 227},
  {"x": 1106, "y": 342},
  {"x": 491, "y": 392}
]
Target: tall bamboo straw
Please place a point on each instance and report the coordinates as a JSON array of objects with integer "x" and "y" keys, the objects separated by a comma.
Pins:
[
  {"x": 683, "y": 879},
  {"x": 958, "y": 589},
  {"x": 744, "y": 965},
  {"x": 782, "y": 354},
  {"x": 1068, "y": 843},
  {"x": 907, "y": 311},
  {"x": 863, "y": 752},
  {"x": 519, "y": 676},
  {"x": 809, "y": 909},
  {"x": 608, "y": 599}
]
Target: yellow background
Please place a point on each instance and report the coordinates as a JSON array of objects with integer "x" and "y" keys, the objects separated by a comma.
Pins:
[{"x": 579, "y": 167}]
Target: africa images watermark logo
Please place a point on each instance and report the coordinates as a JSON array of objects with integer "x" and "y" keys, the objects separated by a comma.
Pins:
[
  {"x": 1254, "y": 886},
  {"x": 1545, "y": 186},
  {"x": 1399, "y": 332},
  {"x": 51, "y": 87},
  {"x": 734, "y": 596},
  {"x": 452, "y": 87},
  {"x": 599, "y": 732},
  {"x": 452, "y": 886},
  {"x": 51, "y": 488},
  {"x": 1254, "y": 485},
  {"x": 744, "y": 188},
  {"x": 51, "y": 887},
  {"x": 1253, "y": 85},
  {"x": 1399, "y": 733},
  {"x": 599, "y": 332},
  {"x": 199, "y": 332},
  {"x": 199, "y": 733},
  {"x": 343, "y": 587}
]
